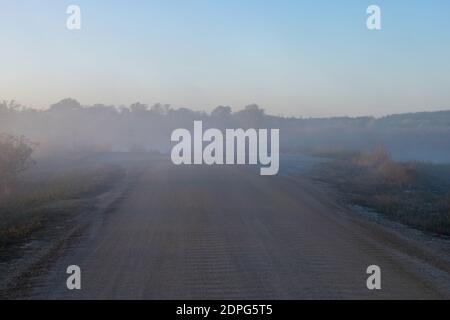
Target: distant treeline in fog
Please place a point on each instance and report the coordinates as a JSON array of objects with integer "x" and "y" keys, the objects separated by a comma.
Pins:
[{"x": 67, "y": 126}]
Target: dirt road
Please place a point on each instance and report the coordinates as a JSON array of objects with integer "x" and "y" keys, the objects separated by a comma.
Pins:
[{"x": 228, "y": 233}]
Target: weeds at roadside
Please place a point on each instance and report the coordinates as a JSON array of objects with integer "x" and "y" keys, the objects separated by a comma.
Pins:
[
  {"x": 415, "y": 194},
  {"x": 55, "y": 197}
]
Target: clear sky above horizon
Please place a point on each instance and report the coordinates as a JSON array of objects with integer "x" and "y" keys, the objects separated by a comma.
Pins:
[{"x": 292, "y": 57}]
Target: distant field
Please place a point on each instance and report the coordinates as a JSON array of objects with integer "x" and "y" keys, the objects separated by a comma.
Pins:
[{"x": 415, "y": 193}]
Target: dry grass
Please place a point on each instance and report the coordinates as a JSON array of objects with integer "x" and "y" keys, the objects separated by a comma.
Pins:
[
  {"x": 50, "y": 198},
  {"x": 416, "y": 194}
]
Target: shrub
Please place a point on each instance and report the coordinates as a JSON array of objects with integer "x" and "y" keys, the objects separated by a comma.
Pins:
[
  {"x": 384, "y": 168},
  {"x": 15, "y": 157}
]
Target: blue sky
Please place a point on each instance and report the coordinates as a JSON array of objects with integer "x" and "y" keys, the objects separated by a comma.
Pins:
[{"x": 301, "y": 58}]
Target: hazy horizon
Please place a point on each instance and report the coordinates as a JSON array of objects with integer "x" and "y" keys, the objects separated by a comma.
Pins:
[
  {"x": 293, "y": 58},
  {"x": 210, "y": 109}
]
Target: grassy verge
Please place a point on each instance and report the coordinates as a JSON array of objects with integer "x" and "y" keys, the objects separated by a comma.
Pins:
[
  {"x": 46, "y": 199},
  {"x": 415, "y": 194}
]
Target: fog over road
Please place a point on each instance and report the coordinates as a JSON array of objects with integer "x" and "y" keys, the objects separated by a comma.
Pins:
[{"x": 228, "y": 233}]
